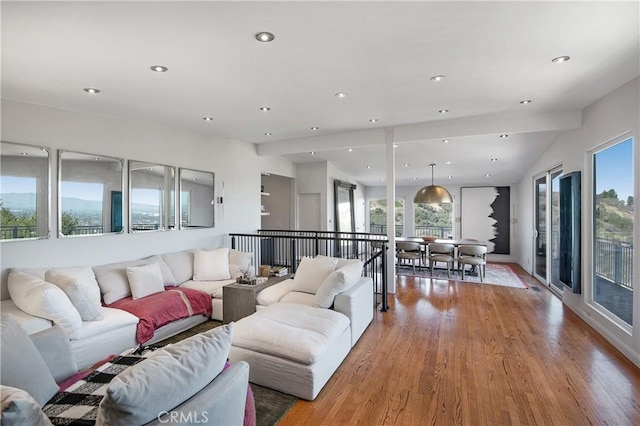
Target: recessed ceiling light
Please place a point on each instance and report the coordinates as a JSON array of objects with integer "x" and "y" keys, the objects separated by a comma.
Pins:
[
  {"x": 24, "y": 153},
  {"x": 415, "y": 178},
  {"x": 265, "y": 108},
  {"x": 443, "y": 111},
  {"x": 447, "y": 162},
  {"x": 487, "y": 175},
  {"x": 341, "y": 95},
  {"x": 92, "y": 90},
  {"x": 406, "y": 164},
  {"x": 315, "y": 128},
  {"x": 373, "y": 120},
  {"x": 381, "y": 179},
  {"x": 207, "y": 118},
  {"x": 350, "y": 149},
  {"x": 264, "y": 37},
  {"x": 504, "y": 135},
  {"x": 96, "y": 158},
  {"x": 437, "y": 78},
  {"x": 312, "y": 153},
  {"x": 449, "y": 177},
  {"x": 526, "y": 101},
  {"x": 494, "y": 159},
  {"x": 395, "y": 145},
  {"x": 560, "y": 59},
  {"x": 445, "y": 140},
  {"x": 368, "y": 167},
  {"x": 268, "y": 134},
  {"x": 159, "y": 68}
]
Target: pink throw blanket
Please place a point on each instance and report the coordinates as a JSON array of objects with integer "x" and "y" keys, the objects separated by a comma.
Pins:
[{"x": 162, "y": 308}]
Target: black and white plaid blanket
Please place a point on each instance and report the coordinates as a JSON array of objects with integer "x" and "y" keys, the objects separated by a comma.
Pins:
[{"x": 78, "y": 404}]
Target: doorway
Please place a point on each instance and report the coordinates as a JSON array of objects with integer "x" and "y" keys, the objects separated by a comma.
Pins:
[{"x": 546, "y": 260}]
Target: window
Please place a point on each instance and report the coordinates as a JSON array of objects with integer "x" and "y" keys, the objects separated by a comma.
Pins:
[
  {"x": 378, "y": 216},
  {"x": 613, "y": 210},
  {"x": 433, "y": 220},
  {"x": 81, "y": 208},
  {"x": 18, "y": 203}
]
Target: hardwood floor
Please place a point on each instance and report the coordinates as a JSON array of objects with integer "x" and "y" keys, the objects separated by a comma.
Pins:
[{"x": 451, "y": 353}]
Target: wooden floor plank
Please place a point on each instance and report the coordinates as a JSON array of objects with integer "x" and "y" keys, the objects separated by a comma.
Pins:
[{"x": 449, "y": 353}]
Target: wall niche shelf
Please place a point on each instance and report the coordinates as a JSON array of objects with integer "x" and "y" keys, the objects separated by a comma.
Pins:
[
  {"x": 265, "y": 194},
  {"x": 265, "y": 213}
]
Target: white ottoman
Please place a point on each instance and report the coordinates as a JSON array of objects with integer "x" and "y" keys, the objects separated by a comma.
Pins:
[{"x": 292, "y": 348}]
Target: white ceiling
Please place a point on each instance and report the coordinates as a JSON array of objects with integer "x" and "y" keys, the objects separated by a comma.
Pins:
[{"x": 382, "y": 54}]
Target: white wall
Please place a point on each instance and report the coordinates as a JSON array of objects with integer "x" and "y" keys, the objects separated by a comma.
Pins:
[
  {"x": 312, "y": 178},
  {"x": 615, "y": 114},
  {"x": 234, "y": 162}
]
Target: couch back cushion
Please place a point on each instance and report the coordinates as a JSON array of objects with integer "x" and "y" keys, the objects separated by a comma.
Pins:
[
  {"x": 42, "y": 299},
  {"x": 113, "y": 281},
  {"x": 83, "y": 294},
  {"x": 239, "y": 263},
  {"x": 166, "y": 379},
  {"x": 211, "y": 265},
  {"x": 145, "y": 280},
  {"x": 312, "y": 272},
  {"x": 21, "y": 363},
  {"x": 181, "y": 265}
]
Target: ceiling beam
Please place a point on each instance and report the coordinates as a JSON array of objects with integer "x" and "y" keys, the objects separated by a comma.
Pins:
[{"x": 457, "y": 127}]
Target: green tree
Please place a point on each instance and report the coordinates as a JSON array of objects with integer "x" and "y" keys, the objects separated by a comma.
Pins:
[
  {"x": 68, "y": 223},
  {"x": 630, "y": 201}
]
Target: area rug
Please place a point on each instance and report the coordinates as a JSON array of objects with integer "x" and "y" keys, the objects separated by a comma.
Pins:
[
  {"x": 271, "y": 405},
  {"x": 497, "y": 274}
]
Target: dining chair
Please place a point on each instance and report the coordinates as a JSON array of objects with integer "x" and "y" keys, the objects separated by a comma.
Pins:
[
  {"x": 441, "y": 253},
  {"x": 475, "y": 256},
  {"x": 406, "y": 250}
]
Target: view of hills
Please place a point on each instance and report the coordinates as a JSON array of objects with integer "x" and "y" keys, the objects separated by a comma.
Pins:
[{"x": 23, "y": 202}]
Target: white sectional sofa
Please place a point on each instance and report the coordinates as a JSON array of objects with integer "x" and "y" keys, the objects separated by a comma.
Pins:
[
  {"x": 37, "y": 304},
  {"x": 305, "y": 327}
]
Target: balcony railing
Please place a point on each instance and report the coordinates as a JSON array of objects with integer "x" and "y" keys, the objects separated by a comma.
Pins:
[
  {"x": 613, "y": 260},
  {"x": 16, "y": 232},
  {"x": 420, "y": 231}
]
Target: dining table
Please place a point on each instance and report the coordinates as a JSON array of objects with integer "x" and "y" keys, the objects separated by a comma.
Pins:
[{"x": 425, "y": 244}]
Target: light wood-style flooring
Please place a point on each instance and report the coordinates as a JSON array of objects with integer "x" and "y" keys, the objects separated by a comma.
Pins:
[{"x": 453, "y": 353}]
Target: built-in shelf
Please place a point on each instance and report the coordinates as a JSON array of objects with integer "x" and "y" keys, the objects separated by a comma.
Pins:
[
  {"x": 265, "y": 213},
  {"x": 265, "y": 194}
]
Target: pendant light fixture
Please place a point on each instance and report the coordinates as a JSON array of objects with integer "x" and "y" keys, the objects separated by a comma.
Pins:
[{"x": 433, "y": 194}]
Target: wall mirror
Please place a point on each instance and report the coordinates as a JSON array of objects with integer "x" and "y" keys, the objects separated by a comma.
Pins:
[
  {"x": 197, "y": 195},
  {"x": 24, "y": 191},
  {"x": 152, "y": 198},
  {"x": 89, "y": 194},
  {"x": 344, "y": 206}
]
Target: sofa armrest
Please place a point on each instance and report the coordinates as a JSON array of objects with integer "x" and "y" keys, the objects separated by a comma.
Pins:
[
  {"x": 357, "y": 303},
  {"x": 221, "y": 402},
  {"x": 274, "y": 293},
  {"x": 55, "y": 349}
]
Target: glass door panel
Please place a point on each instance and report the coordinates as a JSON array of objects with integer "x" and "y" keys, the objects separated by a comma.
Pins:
[
  {"x": 540, "y": 244},
  {"x": 554, "y": 254},
  {"x": 613, "y": 210}
]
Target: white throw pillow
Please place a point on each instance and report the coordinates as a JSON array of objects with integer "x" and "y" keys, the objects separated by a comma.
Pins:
[
  {"x": 21, "y": 363},
  {"x": 88, "y": 307},
  {"x": 351, "y": 268},
  {"x": 19, "y": 408},
  {"x": 337, "y": 282},
  {"x": 211, "y": 265},
  {"x": 45, "y": 300},
  {"x": 166, "y": 379},
  {"x": 239, "y": 263},
  {"x": 85, "y": 278},
  {"x": 312, "y": 272},
  {"x": 145, "y": 280}
]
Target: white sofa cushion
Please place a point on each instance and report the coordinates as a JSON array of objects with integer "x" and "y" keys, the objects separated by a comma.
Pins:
[
  {"x": 78, "y": 293},
  {"x": 274, "y": 293},
  {"x": 343, "y": 278},
  {"x": 19, "y": 408},
  {"x": 213, "y": 288},
  {"x": 287, "y": 330},
  {"x": 145, "y": 280},
  {"x": 239, "y": 263},
  {"x": 30, "y": 323},
  {"x": 114, "y": 319},
  {"x": 181, "y": 265},
  {"x": 312, "y": 272},
  {"x": 21, "y": 363},
  {"x": 166, "y": 379},
  {"x": 211, "y": 265},
  {"x": 85, "y": 278},
  {"x": 299, "y": 297},
  {"x": 42, "y": 299},
  {"x": 113, "y": 281}
]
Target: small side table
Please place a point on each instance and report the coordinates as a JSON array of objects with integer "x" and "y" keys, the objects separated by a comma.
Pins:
[{"x": 239, "y": 300}]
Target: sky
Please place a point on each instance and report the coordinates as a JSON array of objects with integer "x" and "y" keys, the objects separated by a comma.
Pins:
[{"x": 614, "y": 169}]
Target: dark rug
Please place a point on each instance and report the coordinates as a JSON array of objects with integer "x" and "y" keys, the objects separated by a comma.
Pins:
[{"x": 271, "y": 405}]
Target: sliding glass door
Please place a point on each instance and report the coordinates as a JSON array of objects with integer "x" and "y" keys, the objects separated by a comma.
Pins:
[
  {"x": 547, "y": 221},
  {"x": 613, "y": 211}
]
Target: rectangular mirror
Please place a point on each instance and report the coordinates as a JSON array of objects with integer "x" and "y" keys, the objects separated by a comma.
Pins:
[
  {"x": 89, "y": 194},
  {"x": 24, "y": 191},
  {"x": 344, "y": 206},
  {"x": 152, "y": 200},
  {"x": 197, "y": 195}
]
